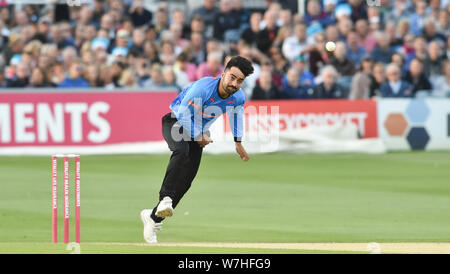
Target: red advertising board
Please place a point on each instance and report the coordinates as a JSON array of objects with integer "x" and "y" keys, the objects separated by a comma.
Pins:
[
  {"x": 104, "y": 118},
  {"x": 81, "y": 118},
  {"x": 298, "y": 114}
]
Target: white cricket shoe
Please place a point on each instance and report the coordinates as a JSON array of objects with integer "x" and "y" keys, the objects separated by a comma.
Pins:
[
  {"x": 150, "y": 227},
  {"x": 165, "y": 208}
]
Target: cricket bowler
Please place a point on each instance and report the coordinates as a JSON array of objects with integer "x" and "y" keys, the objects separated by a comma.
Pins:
[{"x": 185, "y": 129}]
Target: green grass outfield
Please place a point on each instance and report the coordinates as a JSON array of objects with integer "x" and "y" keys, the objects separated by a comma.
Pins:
[{"x": 273, "y": 198}]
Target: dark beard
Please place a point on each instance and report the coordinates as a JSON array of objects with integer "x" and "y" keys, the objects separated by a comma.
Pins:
[{"x": 230, "y": 90}]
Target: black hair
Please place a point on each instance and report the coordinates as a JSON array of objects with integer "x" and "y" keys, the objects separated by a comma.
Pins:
[{"x": 242, "y": 64}]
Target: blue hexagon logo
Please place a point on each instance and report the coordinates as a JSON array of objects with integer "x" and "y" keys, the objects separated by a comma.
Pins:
[
  {"x": 417, "y": 111},
  {"x": 418, "y": 138}
]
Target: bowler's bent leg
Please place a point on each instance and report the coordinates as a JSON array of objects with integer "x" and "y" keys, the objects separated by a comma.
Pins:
[{"x": 183, "y": 165}]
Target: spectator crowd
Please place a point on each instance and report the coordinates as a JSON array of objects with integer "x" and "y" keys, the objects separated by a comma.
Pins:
[{"x": 383, "y": 48}]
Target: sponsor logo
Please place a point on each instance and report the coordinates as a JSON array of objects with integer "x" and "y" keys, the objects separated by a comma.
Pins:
[{"x": 30, "y": 123}]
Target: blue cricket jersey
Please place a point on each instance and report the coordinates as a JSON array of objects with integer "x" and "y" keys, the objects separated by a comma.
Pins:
[{"x": 199, "y": 105}]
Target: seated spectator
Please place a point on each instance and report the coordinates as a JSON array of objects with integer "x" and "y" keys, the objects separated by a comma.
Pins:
[
  {"x": 434, "y": 60},
  {"x": 115, "y": 73},
  {"x": 92, "y": 75},
  {"x": 284, "y": 32},
  {"x": 86, "y": 16},
  {"x": 21, "y": 77},
  {"x": 151, "y": 51},
  {"x": 156, "y": 79},
  {"x": 407, "y": 47},
  {"x": 420, "y": 51},
  {"x": 267, "y": 35},
  {"x": 68, "y": 55},
  {"x": 123, "y": 39},
  {"x": 329, "y": 88},
  {"x": 329, "y": 6},
  {"x": 374, "y": 17},
  {"x": 395, "y": 39},
  {"x": 399, "y": 60},
  {"x": 33, "y": 48},
  {"x": 435, "y": 6},
  {"x": 292, "y": 88},
  {"x": 343, "y": 65},
  {"x": 167, "y": 55},
  {"x": 161, "y": 20},
  {"x": 332, "y": 33},
  {"x": 430, "y": 31},
  {"x": 177, "y": 31},
  {"x": 118, "y": 54},
  {"x": 89, "y": 34},
  {"x": 198, "y": 25},
  {"x": 43, "y": 29},
  {"x": 138, "y": 40},
  {"x": 383, "y": 51},
  {"x": 280, "y": 63},
  {"x": 359, "y": 10},
  {"x": 179, "y": 18},
  {"x": 395, "y": 86},
  {"x": 198, "y": 48},
  {"x": 128, "y": 79},
  {"x": 398, "y": 11},
  {"x": 62, "y": 35},
  {"x": 208, "y": 12},
  {"x": 265, "y": 89},
  {"x": 226, "y": 23},
  {"x": 242, "y": 13},
  {"x": 75, "y": 78},
  {"x": 366, "y": 39},
  {"x": 377, "y": 78},
  {"x": 318, "y": 56},
  {"x": 361, "y": 81},
  {"x": 87, "y": 56},
  {"x": 139, "y": 14},
  {"x": 314, "y": 13},
  {"x": 343, "y": 11},
  {"x": 417, "y": 78},
  {"x": 14, "y": 46},
  {"x": 418, "y": 18},
  {"x": 142, "y": 71},
  {"x": 285, "y": 18},
  {"x": 443, "y": 26},
  {"x": 345, "y": 26},
  {"x": 212, "y": 67},
  {"x": 355, "y": 52},
  {"x": 249, "y": 35},
  {"x": 401, "y": 34},
  {"x": 38, "y": 78},
  {"x": 214, "y": 45},
  {"x": 56, "y": 74},
  {"x": 295, "y": 45},
  {"x": 169, "y": 78},
  {"x": 182, "y": 65},
  {"x": 276, "y": 77},
  {"x": 306, "y": 78},
  {"x": 441, "y": 87}
]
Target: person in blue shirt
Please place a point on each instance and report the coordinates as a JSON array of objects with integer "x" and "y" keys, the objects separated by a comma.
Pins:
[
  {"x": 394, "y": 86},
  {"x": 75, "y": 78},
  {"x": 185, "y": 129},
  {"x": 292, "y": 88}
]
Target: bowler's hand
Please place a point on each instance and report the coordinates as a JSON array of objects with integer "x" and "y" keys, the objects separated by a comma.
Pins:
[
  {"x": 241, "y": 151},
  {"x": 205, "y": 140}
]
